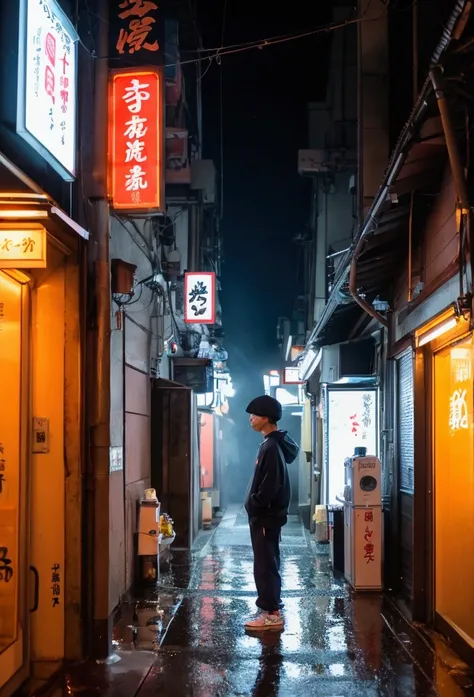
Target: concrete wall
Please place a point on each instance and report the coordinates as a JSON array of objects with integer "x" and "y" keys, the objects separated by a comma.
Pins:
[
  {"x": 373, "y": 113},
  {"x": 332, "y": 127},
  {"x": 134, "y": 347}
]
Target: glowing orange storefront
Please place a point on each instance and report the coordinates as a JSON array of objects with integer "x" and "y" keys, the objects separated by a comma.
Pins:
[
  {"x": 448, "y": 347},
  {"x": 40, "y": 351}
]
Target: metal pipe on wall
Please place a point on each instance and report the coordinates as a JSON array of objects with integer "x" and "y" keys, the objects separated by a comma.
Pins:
[
  {"x": 353, "y": 287},
  {"x": 99, "y": 376},
  {"x": 410, "y": 253},
  {"x": 457, "y": 169},
  {"x": 194, "y": 227}
]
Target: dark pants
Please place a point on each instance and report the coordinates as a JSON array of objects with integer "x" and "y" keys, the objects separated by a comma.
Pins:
[{"x": 266, "y": 566}]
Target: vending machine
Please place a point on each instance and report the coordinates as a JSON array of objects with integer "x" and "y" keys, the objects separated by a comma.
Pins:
[{"x": 363, "y": 521}]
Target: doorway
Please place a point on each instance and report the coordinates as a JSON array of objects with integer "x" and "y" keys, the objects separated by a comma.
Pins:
[
  {"x": 13, "y": 461},
  {"x": 454, "y": 489}
]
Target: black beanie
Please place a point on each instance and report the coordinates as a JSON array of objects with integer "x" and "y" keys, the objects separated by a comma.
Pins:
[{"x": 265, "y": 406}]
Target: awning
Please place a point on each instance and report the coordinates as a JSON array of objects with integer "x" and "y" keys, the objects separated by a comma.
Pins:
[
  {"x": 22, "y": 199},
  {"x": 383, "y": 257}
]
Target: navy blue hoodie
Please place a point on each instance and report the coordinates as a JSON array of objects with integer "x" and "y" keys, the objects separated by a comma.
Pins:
[{"x": 269, "y": 493}]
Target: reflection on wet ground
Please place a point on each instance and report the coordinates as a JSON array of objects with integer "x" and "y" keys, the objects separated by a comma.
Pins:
[{"x": 186, "y": 638}]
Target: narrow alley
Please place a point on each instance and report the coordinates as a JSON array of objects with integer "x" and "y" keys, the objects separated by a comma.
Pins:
[
  {"x": 236, "y": 274},
  {"x": 188, "y": 640}
]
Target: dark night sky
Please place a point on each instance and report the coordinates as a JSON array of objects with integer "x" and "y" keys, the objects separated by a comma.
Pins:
[{"x": 265, "y": 201}]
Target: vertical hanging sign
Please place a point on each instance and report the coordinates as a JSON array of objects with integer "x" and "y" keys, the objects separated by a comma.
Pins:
[
  {"x": 200, "y": 297},
  {"x": 136, "y": 33},
  {"x": 136, "y": 142}
]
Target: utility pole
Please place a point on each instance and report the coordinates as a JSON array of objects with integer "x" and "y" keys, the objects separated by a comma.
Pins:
[{"x": 99, "y": 346}]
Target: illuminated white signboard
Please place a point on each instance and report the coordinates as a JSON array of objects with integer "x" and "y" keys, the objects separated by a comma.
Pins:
[
  {"x": 291, "y": 375},
  {"x": 351, "y": 422},
  {"x": 200, "y": 297},
  {"x": 47, "y": 84}
]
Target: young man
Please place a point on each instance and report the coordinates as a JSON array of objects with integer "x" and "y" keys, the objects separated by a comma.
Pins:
[{"x": 267, "y": 502}]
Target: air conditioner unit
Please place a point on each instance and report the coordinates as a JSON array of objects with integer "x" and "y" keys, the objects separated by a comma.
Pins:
[
  {"x": 203, "y": 178},
  {"x": 350, "y": 359},
  {"x": 330, "y": 364},
  {"x": 312, "y": 162}
]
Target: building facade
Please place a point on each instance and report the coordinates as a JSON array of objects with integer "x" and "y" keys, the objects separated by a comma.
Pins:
[
  {"x": 108, "y": 220},
  {"x": 45, "y": 239},
  {"x": 397, "y": 316}
]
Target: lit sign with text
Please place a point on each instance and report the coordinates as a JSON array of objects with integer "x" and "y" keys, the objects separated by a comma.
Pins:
[
  {"x": 47, "y": 84},
  {"x": 200, "y": 298},
  {"x": 136, "y": 140},
  {"x": 136, "y": 33},
  {"x": 291, "y": 376},
  {"x": 22, "y": 247}
]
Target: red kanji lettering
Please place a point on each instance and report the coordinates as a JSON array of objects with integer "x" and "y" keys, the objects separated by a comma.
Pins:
[
  {"x": 50, "y": 48},
  {"x": 138, "y": 8},
  {"x": 64, "y": 98},
  {"x": 369, "y": 552},
  {"x": 49, "y": 82},
  {"x": 135, "y": 37},
  {"x": 65, "y": 63}
]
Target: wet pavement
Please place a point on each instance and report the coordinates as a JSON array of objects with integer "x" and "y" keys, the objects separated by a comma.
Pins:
[{"x": 186, "y": 637}]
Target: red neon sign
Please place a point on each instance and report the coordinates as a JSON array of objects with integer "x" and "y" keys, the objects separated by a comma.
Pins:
[{"x": 136, "y": 141}]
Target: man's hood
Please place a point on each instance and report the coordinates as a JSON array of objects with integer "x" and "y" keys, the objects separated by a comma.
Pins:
[{"x": 287, "y": 444}]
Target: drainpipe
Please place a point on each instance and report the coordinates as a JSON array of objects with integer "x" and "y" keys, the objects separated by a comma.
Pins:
[
  {"x": 457, "y": 168},
  {"x": 410, "y": 251},
  {"x": 353, "y": 286},
  {"x": 99, "y": 338},
  {"x": 194, "y": 230},
  {"x": 451, "y": 142}
]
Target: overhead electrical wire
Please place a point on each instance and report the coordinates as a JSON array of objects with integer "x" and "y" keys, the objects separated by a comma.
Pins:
[
  {"x": 265, "y": 43},
  {"x": 217, "y": 53}
]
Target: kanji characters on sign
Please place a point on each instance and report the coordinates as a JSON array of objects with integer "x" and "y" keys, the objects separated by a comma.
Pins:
[
  {"x": 369, "y": 547},
  {"x": 135, "y": 94},
  {"x": 200, "y": 298},
  {"x": 48, "y": 112},
  {"x": 135, "y": 35},
  {"x": 6, "y": 566},
  {"x": 22, "y": 246},
  {"x": 136, "y": 139},
  {"x": 56, "y": 584},
  {"x": 458, "y": 414}
]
